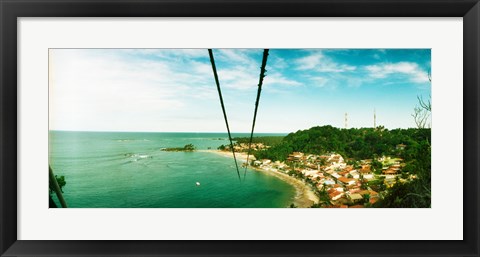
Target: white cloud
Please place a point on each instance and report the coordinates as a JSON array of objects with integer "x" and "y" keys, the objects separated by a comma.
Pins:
[
  {"x": 238, "y": 78},
  {"x": 238, "y": 56},
  {"x": 335, "y": 67},
  {"x": 309, "y": 62},
  {"x": 409, "y": 69},
  {"x": 277, "y": 63},
  {"x": 167, "y": 52},
  {"x": 202, "y": 68},
  {"x": 276, "y": 79},
  {"x": 247, "y": 79},
  {"x": 336, "y": 80},
  {"x": 321, "y": 63},
  {"x": 319, "y": 81}
]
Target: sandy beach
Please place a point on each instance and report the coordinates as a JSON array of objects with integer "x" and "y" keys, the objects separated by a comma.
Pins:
[
  {"x": 241, "y": 157},
  {"x": 304, "y": 197}
]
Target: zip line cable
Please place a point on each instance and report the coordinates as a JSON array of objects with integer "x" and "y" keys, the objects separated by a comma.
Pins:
[
  {"x": 212, "y": 60},
  {"x": 260, "y": 82}
]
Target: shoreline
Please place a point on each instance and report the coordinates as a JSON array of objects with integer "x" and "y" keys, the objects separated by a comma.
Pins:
[{"x": 304, "y": 195}]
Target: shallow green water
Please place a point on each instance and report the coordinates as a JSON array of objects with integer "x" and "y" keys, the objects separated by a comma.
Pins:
[{"x": 129, "y": 170}]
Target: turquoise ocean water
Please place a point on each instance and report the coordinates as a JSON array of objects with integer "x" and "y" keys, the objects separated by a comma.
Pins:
[{"x": 129, "y": 170}]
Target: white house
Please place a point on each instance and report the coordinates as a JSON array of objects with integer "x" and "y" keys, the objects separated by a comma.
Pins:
[{"x": 356, "y": 197}]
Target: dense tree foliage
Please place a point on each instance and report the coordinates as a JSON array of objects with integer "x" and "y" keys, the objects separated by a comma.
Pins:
[
  {"x": 267, "y": 140},
  {"x": 186, "y": 148},
  {"x": 60, "y": 181},
  {"x": 363, "y": 143}
]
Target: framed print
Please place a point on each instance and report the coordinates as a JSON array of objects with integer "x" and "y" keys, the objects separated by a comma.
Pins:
[{"x": 181, "y": 128}]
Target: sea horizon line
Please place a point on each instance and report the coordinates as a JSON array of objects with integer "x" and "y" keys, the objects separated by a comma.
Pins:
[{"x": 192, "y": 132}]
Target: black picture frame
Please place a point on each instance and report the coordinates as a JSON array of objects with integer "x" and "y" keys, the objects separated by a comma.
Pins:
[{"x": 10, "y": 10}]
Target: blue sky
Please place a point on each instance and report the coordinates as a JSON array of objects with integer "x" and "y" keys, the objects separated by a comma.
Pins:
[{"x": 174, "y": 89}]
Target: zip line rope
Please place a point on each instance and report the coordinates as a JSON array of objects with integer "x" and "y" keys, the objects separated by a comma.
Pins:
[
  {"x": 212, "y": 60},
  {"x": 260, "y": 82}
]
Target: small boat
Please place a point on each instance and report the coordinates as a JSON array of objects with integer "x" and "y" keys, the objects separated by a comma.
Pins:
[{"x": 197, "y": 183}]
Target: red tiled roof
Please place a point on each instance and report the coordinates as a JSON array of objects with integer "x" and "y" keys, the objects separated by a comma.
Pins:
[
  {"x": 390, "y": 171},
  {"x": 345, "y": 180},
  {"x": 333, "y": 194},
  {"x": 365, "y": 169}
]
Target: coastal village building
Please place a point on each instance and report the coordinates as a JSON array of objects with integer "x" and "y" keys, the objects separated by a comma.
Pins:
[
  {"x": 356, "y": 197},
  {"x": 295, "y": 156},
  {"x": 355, "y": 174},
  {"x": 335, "y": 195},
  {"x": 366, "y": 169},
  {"x": 347, "y": 181}
]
